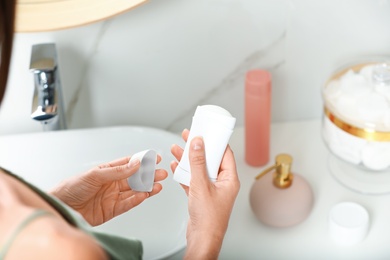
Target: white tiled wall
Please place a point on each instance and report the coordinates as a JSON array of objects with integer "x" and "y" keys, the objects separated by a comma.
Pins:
[{"x": 152, "y": 66}]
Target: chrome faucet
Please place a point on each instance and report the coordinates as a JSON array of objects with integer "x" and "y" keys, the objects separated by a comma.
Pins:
[{"x": 47, "y": 104}]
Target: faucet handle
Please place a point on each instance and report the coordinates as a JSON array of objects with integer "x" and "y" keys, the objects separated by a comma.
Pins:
[
  {"x": 43, "y": 57},
  {"x": 42, "y": 65}
]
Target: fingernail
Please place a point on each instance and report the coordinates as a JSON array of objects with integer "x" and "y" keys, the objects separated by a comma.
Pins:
[
  {"x": 197, "y": 143},
  {"x": 133, "y": 163}
]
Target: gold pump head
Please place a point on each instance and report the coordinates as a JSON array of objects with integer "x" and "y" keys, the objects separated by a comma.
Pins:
[{"x": 282, "y": 177}]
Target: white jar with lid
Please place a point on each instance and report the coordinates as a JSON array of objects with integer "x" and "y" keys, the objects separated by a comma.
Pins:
[{"x": 356, "y": 124}]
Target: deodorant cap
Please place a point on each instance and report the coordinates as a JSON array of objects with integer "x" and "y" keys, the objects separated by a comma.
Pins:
[
  {"x": 258, "y": 82},
  {"x": 143, "y": 179},
  {"x": 348, "y": 223}
]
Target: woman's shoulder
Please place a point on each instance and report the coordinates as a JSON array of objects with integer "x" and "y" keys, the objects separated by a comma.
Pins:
[{"x": 50, "y": 238}]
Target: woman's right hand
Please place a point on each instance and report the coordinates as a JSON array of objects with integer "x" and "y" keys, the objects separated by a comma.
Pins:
[{"x": 209, "y": 203}]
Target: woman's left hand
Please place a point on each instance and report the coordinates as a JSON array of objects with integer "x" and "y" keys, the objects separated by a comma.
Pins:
[{"x": 103, "y": 193}]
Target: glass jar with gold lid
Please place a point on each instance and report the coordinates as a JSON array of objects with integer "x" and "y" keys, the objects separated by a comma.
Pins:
[{"x": 356, "y": 124}]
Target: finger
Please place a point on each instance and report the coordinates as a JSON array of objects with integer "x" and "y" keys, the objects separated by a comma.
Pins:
[
  {"x": 159, "y": 158},
  {"x": 174, "y": 164},
  {"x": 117, "y": 162},
  {"x": 123, "y": 161},
  {"x": 229, "y": 170},
  {"x": 160, "y": 174},
  {"x": 157, "y": 187},
  {"x": 197, "y": 158},
  {"x": 185, "y": 188},
  {"x": 117, "y": 172},
  {"x": 228, "y": 162},
  {"x": 127, "y": 202},
  {"x": 177, "y": 151},
  {"x": 185, "y": 134}
]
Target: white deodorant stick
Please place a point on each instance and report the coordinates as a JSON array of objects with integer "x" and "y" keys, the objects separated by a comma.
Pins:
[{"x": 215, "y": 125}]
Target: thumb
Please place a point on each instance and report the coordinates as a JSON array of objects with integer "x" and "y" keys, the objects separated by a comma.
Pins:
[
  {"x": 197, "y": 158},
  {"x": 115, "y": 173}
]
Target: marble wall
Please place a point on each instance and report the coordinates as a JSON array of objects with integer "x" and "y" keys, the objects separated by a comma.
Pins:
[{"x": 153, "y": 65}]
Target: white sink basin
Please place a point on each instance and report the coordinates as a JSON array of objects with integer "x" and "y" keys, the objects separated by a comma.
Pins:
[{"x": 45, "y": 159}]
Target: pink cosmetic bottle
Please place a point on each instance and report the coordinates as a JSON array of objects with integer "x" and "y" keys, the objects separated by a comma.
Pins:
[{"x": 257, "y": 117}]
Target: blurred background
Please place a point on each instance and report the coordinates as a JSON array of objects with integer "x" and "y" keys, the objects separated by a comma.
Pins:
[{"x": 153, "y": 65}]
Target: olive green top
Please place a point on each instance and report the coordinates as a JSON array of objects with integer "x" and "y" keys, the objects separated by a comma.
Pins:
[{"x": 116, "y": 247}]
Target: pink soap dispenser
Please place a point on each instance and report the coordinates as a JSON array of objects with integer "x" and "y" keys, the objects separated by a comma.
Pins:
[
  {"x": 257, "y": 117},
  {"x": 281, "y": 199}
]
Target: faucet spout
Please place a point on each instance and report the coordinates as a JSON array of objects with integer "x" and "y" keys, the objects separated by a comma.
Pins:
[{"x": 47, "y": 104}]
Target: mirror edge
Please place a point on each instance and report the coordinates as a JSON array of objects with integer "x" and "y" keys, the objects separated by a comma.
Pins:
[{"x": 58, "y": 15}]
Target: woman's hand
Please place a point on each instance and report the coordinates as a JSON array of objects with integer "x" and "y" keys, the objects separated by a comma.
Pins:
[
  {"x": 103, "y": 193},
  {"x": 209, "y": 203}
]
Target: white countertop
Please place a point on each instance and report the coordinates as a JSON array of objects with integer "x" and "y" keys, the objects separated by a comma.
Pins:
[{"x": 247, "y": 238}]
